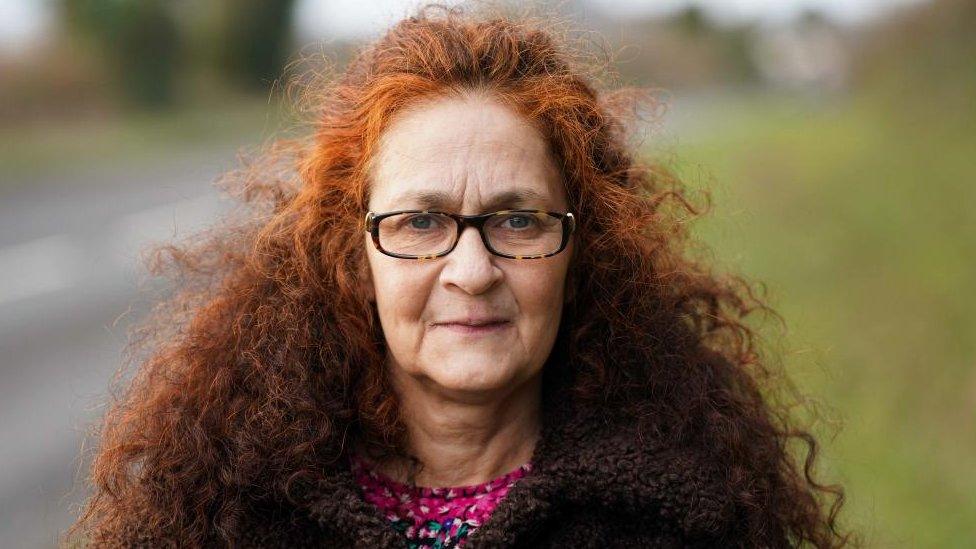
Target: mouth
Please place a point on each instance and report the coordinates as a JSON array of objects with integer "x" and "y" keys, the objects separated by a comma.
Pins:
[{"x": 475, "y": 327}]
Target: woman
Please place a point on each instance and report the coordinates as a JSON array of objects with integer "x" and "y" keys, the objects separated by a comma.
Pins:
[{"x": 470, "y": 319}]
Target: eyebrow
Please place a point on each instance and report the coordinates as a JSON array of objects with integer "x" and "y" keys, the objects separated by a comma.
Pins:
[{"x": 442, "y": 200}]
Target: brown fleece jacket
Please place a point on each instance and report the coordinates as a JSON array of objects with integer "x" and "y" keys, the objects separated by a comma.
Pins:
[{"x": 595, "y": 483}]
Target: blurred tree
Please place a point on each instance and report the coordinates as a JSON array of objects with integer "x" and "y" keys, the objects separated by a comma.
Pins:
[
  {"x": 253, "y": 40},
  {"x": 920, "y": 63},
  {"x": 685, "y": 50},
  {"x": 736, "y": 45},
  {"x": 729, "y": 46},
  {"x": 813, "y": 18},
  {"x": 692, "y": 20},
  {"x": 139, "y": 39}
]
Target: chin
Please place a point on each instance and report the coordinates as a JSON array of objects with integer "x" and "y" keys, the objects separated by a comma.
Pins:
[{"x": 473, "y": 375}]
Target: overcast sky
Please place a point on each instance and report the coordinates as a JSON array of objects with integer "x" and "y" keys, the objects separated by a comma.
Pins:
[
  {"x": 316, "y": 18},
  {"x": 23, "y": 22}
]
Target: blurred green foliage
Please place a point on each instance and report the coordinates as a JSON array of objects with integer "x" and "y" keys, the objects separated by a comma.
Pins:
[
  {"x": 254, "y": 40},
  {"x": 140, "y": 40},
  {"x": 921, "y": 64},
  {"x": 152, "y": 46},
  {"x": 687, "y": 50}
]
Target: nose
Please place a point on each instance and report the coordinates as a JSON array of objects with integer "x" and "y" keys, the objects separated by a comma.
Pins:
[{"x": 470, "y": 266}]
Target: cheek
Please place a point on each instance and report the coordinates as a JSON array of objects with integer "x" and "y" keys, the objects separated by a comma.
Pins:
[
  {"x": 400, "y": 289},
  {"x": 539, "y": 293}
]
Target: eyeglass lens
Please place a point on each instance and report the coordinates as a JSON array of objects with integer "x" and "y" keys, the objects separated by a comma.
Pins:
[{"x": 511, "y": 233}]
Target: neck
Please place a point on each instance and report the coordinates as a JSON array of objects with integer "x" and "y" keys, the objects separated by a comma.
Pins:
[{"x": 464, "y": 440}]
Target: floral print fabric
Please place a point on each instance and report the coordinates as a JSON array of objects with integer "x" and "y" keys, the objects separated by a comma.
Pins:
[{"x": 433, "y": 517}]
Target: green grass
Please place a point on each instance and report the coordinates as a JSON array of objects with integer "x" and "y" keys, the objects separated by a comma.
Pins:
[
  {"x": 862, "y": 225},
  {"x": 54, "y": 147}
]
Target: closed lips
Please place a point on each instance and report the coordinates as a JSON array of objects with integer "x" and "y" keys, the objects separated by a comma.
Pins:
[{"x": 470, "y": 322}]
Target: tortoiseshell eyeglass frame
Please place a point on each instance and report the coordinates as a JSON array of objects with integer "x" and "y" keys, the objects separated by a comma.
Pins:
[{"x": 372, "y": 226}]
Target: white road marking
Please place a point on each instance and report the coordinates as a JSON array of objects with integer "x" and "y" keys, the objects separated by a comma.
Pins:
[
  {"x": 55, "y": 263},
  {"x": 39, "y": 267}
]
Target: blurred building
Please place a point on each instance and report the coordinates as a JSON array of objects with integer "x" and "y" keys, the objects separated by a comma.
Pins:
[{"x": 809, "y": 55}]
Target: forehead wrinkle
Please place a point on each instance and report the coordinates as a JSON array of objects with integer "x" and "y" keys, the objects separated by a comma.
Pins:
[
  {"x": 473, "y": 190},
  {"x": 439, "y": 200},
  {"x": 462, "y": 176},
  {"x": 414, "y": 153}
]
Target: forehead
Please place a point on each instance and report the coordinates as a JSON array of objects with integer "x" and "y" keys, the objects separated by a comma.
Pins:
[{"x": 464, "y": 152}]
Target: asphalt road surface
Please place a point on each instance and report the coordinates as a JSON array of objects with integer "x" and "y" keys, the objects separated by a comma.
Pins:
[{"x": 69, "y": 269}]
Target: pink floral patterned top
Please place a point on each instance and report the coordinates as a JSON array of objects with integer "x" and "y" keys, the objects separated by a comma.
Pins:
[{"x": 433, "y": 517}]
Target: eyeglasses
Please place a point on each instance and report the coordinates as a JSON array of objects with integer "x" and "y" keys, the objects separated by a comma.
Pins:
[{"x": 428, "y": 234}]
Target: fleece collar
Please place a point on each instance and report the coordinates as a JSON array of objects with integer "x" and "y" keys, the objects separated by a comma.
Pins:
[{"x": 583, "y": 460}]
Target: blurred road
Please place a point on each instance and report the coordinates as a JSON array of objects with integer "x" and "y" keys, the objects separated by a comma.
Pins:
[{"x": 69, "y": 249}]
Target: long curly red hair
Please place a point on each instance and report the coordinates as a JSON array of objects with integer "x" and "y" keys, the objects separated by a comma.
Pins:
[{"x": 268, "y": 356}]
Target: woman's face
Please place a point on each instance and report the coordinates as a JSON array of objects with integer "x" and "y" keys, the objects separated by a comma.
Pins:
[{"x": 469, "y": 156}]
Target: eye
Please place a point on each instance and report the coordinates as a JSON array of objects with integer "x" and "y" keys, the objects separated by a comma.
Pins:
[
  {"x": 518, "y": 221},
  {"x": 421, "y": 221}
]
